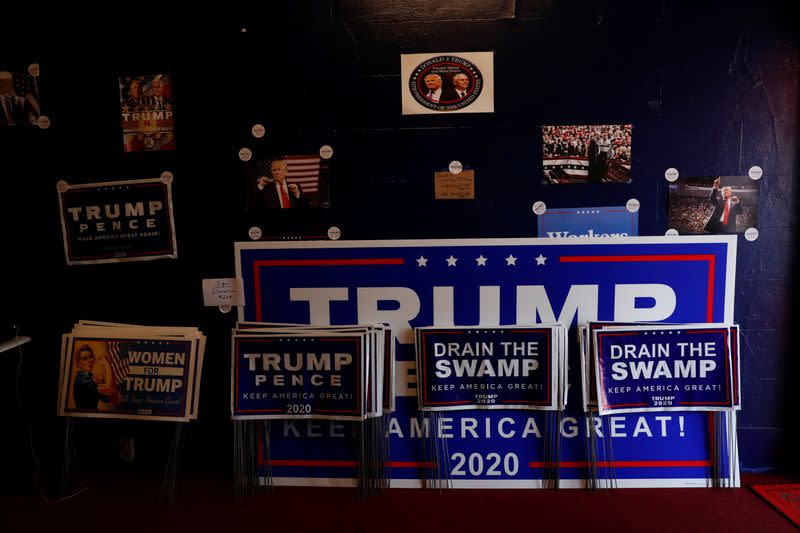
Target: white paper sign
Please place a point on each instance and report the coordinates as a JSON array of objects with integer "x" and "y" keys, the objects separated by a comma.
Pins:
[{"x": 222, "y": 292}]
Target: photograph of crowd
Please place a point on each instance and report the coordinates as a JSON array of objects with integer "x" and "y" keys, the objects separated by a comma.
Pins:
[
  {"x": 713, "y": 204},
  {"x": 587, "y": 154}
]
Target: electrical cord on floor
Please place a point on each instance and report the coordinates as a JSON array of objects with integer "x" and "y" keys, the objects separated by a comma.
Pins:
[{"x": 36, "y": 463}]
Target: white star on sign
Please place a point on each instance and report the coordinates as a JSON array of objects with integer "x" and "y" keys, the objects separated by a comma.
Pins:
[
  {"x": 511, "y": 260},
  {"x": 481, "y": 260},
  {"x": 422, "y": 261},
  {"x": 540, "y": 260},
  {"x": 451, "y": 261}
]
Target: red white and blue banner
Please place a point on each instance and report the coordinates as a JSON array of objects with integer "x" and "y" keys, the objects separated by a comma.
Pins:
[
  {"x": 669, "y": 368},
  {"x": 587, "y": 340},
  {"x": 497, "y": 368},
  {"x": 489, "y": 283},
  {"x": 299, "y": 376}
]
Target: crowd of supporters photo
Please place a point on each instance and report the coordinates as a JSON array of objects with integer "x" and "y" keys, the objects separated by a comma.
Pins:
[{"x": 573, "y": 141}]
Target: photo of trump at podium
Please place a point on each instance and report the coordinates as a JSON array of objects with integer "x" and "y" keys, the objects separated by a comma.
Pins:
[{"x": 713, "y": 204}]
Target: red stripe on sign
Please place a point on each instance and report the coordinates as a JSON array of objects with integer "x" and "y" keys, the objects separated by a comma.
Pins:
[
  {"x": 411, "y": 464},
  {"x": 346, "y": 464},
  {"x": 622, "y": 464},
  {"x": 299, "y": 462},
  {"x": 711, "y": 259},
  {"x": 310, "y": 262}
]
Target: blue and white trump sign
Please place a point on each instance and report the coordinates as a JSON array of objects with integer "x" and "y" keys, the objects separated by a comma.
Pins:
[
  {"x": 664, "y": 369},
  {"x": 497, "y": 368},
  {"x": 488, "y": 283},
  {"x": 297, "y": 376}
]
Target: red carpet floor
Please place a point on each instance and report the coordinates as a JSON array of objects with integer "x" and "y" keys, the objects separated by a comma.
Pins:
[{"x": 204, "y": 503}]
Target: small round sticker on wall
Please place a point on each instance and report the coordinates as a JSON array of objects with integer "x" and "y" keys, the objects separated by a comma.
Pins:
[
  {"x": 455, "y": 167},
  {"x": 751, "y": 234},
  {"x": 258, "y": 131},
  {"x": 62, "y": 186},
  {"x": 254, "y": 233},
  {"x": 245, "y": 154},
  {"x": 671, "y": 233},
  {"x": 334, "y": 233},
  {"x": 539, "y": 208},
  {"x": 632, "y": 205},
  {"x": 755, "y": 173},
  {"x": 671, "y": 174},
  {"x": 325, "y": 151},
  {"x": 167, "y": 177},
  {"x": 43, "y": 122}
]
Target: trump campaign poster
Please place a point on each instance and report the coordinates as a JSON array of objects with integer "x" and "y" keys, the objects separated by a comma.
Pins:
[
  {"x": 117, "y": 221},
  {"x": 129, "y": 377},
  {"x": 491, "y": 283}
]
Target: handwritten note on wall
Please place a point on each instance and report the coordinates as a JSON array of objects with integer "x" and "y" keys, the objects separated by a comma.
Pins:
[
  {"x": 455, "y": 186},
  {"x": 223, "y": 292}
]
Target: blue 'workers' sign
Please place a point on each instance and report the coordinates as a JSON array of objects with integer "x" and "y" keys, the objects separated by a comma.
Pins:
[
  {"x": 599, "y": 222},
  {"x": 650, "y": 369},
  {"x": 492, "y": 282}
]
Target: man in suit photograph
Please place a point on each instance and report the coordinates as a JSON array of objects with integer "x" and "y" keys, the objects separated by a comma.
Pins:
[
  {"x": 159, "y": 100},
  {"x": 726, "y": 208},
  {"x": 461, "y": 84},
  {"x": 133, "y": 102},
  {"x": 14, "y": 109},
  {"x": 281, "y": 194},
  {"x": 434, "y": 84}
]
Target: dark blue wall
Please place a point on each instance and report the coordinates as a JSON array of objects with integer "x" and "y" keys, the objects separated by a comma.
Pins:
[{"x": 710, "y": 91}]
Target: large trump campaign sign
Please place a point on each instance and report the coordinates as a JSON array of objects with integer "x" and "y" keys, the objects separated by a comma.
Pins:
[{"x": 492, "y": 283}]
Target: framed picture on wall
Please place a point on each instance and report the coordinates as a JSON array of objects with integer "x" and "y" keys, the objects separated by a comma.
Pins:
[
  {"x": 447, "y": 82},
  {"x": 19, "y": 98},
  {"x": 148, "y": 121},
  {"x": 713, "y": 204},
  {"x": 586, "y": 154},
  {"x": 286, "y": 181}
]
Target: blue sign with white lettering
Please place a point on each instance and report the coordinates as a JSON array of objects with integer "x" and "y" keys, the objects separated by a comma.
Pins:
[
  {"x": 574, "y": 222},
  {"x": 488, "y": 283},
  {"x": 664, "y": 370},
  {"x": 298, "y": 377},
  {"x": 488, "y": 369}
]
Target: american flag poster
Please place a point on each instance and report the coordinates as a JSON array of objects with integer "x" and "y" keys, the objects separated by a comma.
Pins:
[
  {"x": 586, "y": 154},
  {"x": 278, "y": 181},
  {"x": 151, "y": 379},
  {"x": 19, "y": 97},
  {"x": 147, "y": 117}
]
